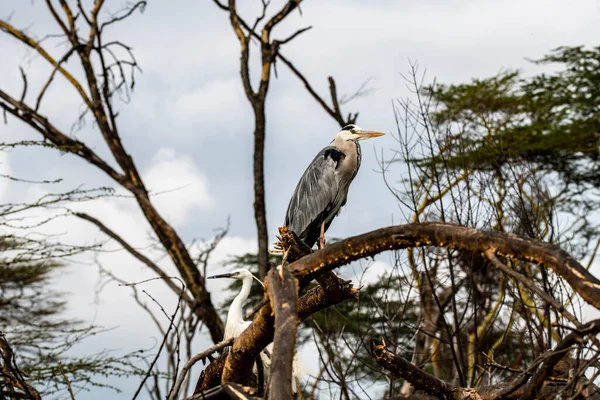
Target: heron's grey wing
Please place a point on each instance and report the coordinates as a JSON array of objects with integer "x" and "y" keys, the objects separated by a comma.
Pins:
[{"x": 316, "y": 193}]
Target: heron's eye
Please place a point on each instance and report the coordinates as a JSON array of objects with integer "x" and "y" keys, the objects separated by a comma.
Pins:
[{"x": 353, "y": 130}]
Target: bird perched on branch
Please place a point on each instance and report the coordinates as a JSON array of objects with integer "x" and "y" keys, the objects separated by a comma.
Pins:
[
  {"x": 323, "y": 188},
  {"x": 236, "y": 324}
]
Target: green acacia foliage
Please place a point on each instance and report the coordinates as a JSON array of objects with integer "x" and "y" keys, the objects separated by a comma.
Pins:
[
  {"x": 550, "y": 120},
  {"x": 45, "y": 345},
  {"x": 32, "y": 321}
]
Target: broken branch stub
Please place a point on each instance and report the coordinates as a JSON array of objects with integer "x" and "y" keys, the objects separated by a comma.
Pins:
[{"x": 283, "y": 293}]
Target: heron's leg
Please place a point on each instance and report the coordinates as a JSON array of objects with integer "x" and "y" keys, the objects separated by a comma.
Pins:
[{"x": 322, "y": 237}]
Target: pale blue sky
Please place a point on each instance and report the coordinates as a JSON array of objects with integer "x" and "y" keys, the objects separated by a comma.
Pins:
[{"x": 189, "y": 125}]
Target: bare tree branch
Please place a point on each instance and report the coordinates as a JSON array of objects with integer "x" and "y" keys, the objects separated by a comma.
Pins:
[
  {"x": 99, "y": 102},
  {"x": 531, "y": 286},
  {"x": 188, "y": 365},
  {"x": 453, "y": 237},
  {"x": 259, "y": 333},
  {"x": 404, "y": 369},
  {"x": 27, "y": 40},
  {"x": 553, "y": 357},
  {"x": 167, "y": 279}
]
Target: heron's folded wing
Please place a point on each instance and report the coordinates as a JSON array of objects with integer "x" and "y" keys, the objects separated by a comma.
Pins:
[{"x": 316, "y": 192}]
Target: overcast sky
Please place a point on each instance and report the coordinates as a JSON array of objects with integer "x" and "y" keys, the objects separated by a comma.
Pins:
[{"x": 189, "y": 126}]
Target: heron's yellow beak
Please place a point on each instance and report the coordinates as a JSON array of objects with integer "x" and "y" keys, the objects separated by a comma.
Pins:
[{"x": 369, "y": 134}]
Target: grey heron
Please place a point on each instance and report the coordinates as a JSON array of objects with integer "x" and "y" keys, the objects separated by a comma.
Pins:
[
  {"x": 323, "y": 188},
  {"x": 236, "y": 324}
]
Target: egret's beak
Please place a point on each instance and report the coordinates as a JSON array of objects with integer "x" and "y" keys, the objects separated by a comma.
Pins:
[
  {"x": 369, "y": 134},
  {"x": 219, "y": 276}
]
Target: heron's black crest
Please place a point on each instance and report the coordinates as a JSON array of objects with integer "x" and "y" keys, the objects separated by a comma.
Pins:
[{"x": 349, "y": 127}]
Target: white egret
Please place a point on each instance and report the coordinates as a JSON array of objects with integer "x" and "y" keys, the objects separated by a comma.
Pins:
[{"x": 236, "y": 324}]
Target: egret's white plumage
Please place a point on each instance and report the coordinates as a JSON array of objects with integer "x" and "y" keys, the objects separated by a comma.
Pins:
[{"x": 236, "y": 324}]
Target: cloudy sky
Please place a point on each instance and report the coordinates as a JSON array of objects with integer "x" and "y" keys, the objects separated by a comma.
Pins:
[{"x": 189, "y": 126}]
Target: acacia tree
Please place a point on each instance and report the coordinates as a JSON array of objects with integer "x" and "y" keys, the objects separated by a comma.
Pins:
[
  {"x": 484, "y": 321},
  {"x": 481, "y": 315},
  {"x": 35, "y": 337},
  {"x": 466, "y": 318}
]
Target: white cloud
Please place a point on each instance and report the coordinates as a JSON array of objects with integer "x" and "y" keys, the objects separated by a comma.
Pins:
[
  {"x": 114, "y": 305},
  {"x": 210, "y": 105},
  {"x": 179, "y": 186}
]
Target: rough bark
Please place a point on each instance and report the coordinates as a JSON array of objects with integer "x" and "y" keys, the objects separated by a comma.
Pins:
[
  {"x": 453, "y": 237},
  {"x": 282, "y": 288},
  {"x": 435, "y": 388},
  {"x": 211, "y": 376},
  {"x": 260, "y": 332},
  {"x": 291, "y": 245}
]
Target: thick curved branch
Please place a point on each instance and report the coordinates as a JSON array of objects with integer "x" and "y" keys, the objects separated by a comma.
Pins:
[
  {"x": 260, "y": 332},
  {"x": 453, "y": 237}
]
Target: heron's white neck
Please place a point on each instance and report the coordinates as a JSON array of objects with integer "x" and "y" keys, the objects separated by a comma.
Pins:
[{"x": 235, "y": 313}]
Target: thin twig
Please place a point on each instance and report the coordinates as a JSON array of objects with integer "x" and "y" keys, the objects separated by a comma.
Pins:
[
  {"x": 188, "y": 365},
  {"x": 66, "y": 378},
  {"x": 162, "y": 344}
]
